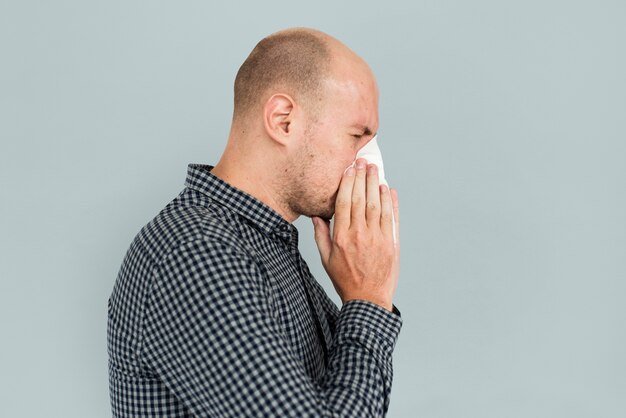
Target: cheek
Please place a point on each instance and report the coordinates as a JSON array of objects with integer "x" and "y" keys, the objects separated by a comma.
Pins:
[
  {"x": 339, "y": 169},
  {"x": 349, "y": 159},
  {"x": 329, "y": 164}
]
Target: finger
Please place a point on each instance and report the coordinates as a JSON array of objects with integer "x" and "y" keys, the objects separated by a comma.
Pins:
[
  {"x": 343, "y": 203},
  {"x": 396, "y": 215},
  {"x": 358, "y": 194},
  {"x": 372, "y": 211},
  {"x": 386, "y": 212},
  {"x": 322, "y": 238}
]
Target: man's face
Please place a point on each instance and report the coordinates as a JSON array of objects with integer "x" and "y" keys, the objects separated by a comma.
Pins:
[{"x": 347, "y": 120}]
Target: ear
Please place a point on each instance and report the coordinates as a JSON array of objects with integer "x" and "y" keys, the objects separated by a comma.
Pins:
[{"x": 278, "y": 115}]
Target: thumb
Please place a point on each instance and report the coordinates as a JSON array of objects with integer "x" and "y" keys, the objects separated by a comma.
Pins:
[{"x": 322, "y": 238}]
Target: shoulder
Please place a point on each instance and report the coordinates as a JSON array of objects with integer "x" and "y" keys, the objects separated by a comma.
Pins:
[{"x": 192, "y": 220}]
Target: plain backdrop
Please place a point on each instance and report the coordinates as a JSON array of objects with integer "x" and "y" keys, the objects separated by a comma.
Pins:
[{"x": 503, "y": 126}]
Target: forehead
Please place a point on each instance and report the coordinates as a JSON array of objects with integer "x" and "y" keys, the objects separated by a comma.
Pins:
[{"x": 354, "y": 101}]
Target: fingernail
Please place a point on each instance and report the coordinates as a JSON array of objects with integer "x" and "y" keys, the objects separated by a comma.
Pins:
[
  {"x": 360, "y": 164},
  {"x": 350, "y": 171}
]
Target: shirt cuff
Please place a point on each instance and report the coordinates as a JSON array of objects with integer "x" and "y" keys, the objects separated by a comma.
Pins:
[{"x": 378, "y": 326}]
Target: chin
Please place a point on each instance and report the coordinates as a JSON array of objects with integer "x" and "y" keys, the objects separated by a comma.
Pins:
[
  {"x": 327, "y": 213},
  {"x": 327, "y": 217},
  {"x": 324, "y": 214},
  {"x": 330, "y": 209},
  {"x": 324, "y": 208}
]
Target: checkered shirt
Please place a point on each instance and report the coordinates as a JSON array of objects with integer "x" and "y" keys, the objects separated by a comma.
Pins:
[{"x": 215, "y": 314}]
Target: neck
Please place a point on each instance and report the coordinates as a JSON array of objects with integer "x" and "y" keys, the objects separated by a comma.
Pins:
[{"x": 254, "y": 175}]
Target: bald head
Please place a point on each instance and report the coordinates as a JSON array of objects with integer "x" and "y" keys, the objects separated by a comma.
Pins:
[
  {"x": 293, "y": 61},
  {"x": 304, "y": 105}
]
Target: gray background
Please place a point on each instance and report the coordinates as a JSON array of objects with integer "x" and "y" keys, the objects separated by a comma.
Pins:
[{"x": 502, "y": 126}]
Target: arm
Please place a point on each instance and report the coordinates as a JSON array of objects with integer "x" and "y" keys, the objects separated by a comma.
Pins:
[{"x": 211, "y": 336}]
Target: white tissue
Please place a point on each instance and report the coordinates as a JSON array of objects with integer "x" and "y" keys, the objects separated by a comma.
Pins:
[{"x": 372, "y": 154}]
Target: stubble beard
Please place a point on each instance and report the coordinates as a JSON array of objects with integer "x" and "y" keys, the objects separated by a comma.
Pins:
[
  {"x": 303, "y": 196},
  {"x": 306, "y": 198},
  {"x": 324, "y": 209}
]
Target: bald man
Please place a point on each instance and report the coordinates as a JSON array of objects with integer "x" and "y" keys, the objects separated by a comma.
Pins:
[{"x": 214, "y": 312}]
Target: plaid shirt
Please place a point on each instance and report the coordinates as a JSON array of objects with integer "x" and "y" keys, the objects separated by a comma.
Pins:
[{"x": 215, "y": 314}]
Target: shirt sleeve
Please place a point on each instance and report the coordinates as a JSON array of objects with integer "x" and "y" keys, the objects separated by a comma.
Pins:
[{"x": 211, "y": 336}]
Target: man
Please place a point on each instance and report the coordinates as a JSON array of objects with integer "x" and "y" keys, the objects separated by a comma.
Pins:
[{"x": 214, "y": 312}]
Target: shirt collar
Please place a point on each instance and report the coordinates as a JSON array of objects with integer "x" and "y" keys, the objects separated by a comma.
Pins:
[{"x": 260, "y": 215}]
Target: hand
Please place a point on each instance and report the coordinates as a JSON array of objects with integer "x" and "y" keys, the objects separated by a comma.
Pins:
[{"x": 361, "y": 258}]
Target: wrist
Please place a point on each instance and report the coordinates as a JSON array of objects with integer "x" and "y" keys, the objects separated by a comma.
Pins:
[{"x": 387, "y": 305}]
